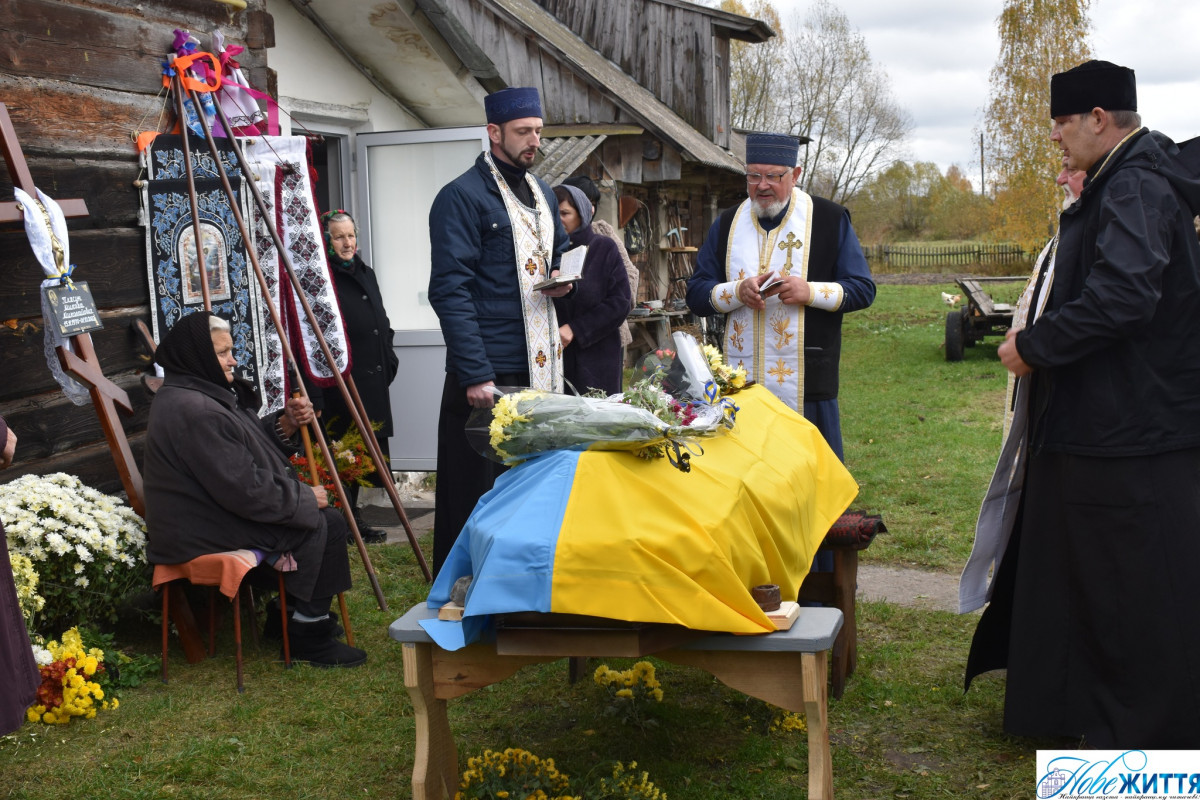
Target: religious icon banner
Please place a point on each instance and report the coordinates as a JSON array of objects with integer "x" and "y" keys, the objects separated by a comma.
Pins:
[{"x": 173, "y": 268}]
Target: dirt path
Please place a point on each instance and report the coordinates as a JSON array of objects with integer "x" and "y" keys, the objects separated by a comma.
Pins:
[{"x": 908, "y": 587}]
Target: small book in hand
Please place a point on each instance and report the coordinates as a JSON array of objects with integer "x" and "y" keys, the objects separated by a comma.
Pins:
[
  {"x": 556, "y": 281},
  {"x": 775, "y": 280}
]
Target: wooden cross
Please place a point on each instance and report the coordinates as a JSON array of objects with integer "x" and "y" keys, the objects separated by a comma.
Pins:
[
  {"x": 789, "y": 244},
  {"x": 82, "y": 364}
]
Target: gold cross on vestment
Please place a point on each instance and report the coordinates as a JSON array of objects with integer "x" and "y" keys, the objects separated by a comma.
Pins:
[
  {"x": 781, "y": 371},
  {"x": 789, "y": 244}
]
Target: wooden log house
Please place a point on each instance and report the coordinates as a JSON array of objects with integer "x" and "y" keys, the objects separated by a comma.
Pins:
[{"x": 645, "y": 96}]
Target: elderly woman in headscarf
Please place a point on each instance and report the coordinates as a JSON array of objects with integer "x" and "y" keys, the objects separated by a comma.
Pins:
[
  {"x": 218, "y": 478},
  {"x": 590, "y": 318},
  {"x": 369, "y": 331}
]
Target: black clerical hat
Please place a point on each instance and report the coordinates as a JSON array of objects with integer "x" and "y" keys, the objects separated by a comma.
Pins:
[{"x": 1093, "y": 84}]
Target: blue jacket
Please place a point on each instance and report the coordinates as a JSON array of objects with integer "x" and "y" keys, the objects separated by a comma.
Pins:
[{"x": 473, "y": 276}]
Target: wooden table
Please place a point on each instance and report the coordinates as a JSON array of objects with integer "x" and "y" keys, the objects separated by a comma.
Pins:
[{"x": 786, "y": 669}]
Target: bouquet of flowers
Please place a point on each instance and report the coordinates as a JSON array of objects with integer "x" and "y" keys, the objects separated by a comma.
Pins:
[
  {"x": 73, "y": 679},
  {"x": 351, "y": 457},
  {"x": 646, "y": 419},
  {"x": 628, "y": 784},
  {"x": 88, "y": 548},
  {"x": 515, "y": 773}
]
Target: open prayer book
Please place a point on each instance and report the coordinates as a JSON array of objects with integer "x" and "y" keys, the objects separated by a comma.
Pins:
[{"x": 570, "y": 270}]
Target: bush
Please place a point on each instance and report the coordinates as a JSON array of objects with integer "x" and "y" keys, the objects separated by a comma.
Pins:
[{"x": 88, "y": 548}]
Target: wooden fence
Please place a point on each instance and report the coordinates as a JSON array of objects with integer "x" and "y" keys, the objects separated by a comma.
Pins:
[{"x": 907, "y": 258}]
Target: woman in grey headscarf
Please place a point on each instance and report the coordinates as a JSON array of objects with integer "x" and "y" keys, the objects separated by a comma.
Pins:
[{"x": 590, "y": 318}]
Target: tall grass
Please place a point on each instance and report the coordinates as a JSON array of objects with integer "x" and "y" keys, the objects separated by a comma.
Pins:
[{"x": 921, "y": 437}]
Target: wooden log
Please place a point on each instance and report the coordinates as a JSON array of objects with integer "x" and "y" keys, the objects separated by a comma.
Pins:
[
  {"x": 59, "y": 118},
  {"x": 49, "y": 424},
  {"x": 120, "y": 47},
  {"x": 112, "y": 262},
  {"x": 92, "y": 464},
  {"x": 23, "y": 362}
]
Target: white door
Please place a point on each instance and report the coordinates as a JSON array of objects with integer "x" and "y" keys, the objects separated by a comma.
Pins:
[{"x": 399, "y": 174}]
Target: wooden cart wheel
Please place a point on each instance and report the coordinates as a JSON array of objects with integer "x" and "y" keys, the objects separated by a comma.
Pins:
[{"x": 954, "y": 336}]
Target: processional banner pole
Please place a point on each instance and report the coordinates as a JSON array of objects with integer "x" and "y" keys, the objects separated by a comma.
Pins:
[
  {"x": 346, "y": 385},
  {"x": 275, "y": 319}
]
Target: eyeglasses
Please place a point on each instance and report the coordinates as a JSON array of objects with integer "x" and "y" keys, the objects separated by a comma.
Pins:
[{"x": 754, "y": 178}]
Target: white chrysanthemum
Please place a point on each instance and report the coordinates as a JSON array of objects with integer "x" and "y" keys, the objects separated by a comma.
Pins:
[
  {"x": 58, "y": 545},
  {"x": 42, "y": 656},
  {"x": 81, "y": 581}
]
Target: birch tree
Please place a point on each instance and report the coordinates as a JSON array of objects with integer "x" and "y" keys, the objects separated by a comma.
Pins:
[
  {"x": 818, "y": 80},
  {"x": 1037, "y": 39}
]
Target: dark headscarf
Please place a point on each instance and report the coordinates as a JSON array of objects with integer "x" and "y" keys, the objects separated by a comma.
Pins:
[
  {"x": 337, "y": 215},
  {"x": 187, "y": 349}
]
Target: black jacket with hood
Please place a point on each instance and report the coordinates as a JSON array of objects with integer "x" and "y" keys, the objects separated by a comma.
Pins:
[{"x": 1117, "y": 352}]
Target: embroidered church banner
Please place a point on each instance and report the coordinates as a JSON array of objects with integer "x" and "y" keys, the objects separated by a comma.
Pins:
[
  {"x": 173, "y": 268},
  {"x": 280, "y": 168}
]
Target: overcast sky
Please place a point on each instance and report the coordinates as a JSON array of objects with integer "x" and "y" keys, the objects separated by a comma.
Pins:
[{"x": 938, "y": 54}]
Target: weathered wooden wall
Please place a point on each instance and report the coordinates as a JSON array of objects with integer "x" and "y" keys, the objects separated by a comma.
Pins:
[
  {"x": 566, "y": 98},
  {"x": 672, "y": 51},
  {"x": 79, "y": 77}
]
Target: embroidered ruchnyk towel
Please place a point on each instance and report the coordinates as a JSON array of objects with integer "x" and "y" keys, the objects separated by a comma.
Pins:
[{"x": 280, "y": 170}]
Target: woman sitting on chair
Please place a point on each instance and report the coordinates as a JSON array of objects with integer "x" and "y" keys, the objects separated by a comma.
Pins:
[{"x": 218, "y": 478}]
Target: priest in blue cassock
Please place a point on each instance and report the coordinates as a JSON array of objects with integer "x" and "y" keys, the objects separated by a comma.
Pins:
[{"x": 784, "y": 266}]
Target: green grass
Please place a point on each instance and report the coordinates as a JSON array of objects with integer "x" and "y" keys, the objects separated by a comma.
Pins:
[
  {"x": 921, "y": 434},
  {"x": 921, "y": 438}
]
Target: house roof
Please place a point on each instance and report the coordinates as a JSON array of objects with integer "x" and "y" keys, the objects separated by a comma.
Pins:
[{"x": 606, "y": 76}]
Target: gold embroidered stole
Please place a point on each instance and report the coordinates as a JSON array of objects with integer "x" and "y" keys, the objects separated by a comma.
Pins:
[
  {"x": 769, "y": 343},
  {"x": 533, "y": 242}
]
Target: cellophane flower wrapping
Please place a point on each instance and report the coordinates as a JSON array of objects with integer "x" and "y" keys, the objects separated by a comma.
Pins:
[{"x": 645, "y": 419}]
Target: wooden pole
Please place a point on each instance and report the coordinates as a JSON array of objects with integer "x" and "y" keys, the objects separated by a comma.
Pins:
[
  {"x": 287, "y": 350},
  {"x": 346, "y": 385},
  {"x": 177, "y": 88}
]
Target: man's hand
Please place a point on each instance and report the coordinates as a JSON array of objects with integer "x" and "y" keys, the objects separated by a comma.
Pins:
[
  {"x": 747, "y": 292},
  {"x": 321, "y": 495},
  {"x": 795, "y": 291},
  {"x": 1009, "y": 356},
  {"x": 566, "y": 334},
  {"x": 480, "y": 395},
  {"x": 297, "y": 413},
  {"x": 558, "y": 291},
  {"x": 10, "y": 449}
]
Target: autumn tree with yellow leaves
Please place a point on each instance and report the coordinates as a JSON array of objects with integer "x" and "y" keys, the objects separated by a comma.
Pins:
[{"x": 1037, "y": 39}]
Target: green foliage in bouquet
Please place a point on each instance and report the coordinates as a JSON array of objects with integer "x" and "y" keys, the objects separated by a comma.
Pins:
[{"x": 87, "y": 548}]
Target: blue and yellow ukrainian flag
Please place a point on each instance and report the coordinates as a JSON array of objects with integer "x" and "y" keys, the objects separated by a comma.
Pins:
[{"x": 610, "y": 535}]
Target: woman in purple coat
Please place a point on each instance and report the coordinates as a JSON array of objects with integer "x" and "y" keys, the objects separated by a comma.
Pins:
[
  {"x": 590, "y": 318},
  {"x": 19, "y": 676}
]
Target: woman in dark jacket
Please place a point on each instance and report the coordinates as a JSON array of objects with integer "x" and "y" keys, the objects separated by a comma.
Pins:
[
  {"x": 218, "y": 478},
  {"x": 590, "y": 318},
  {"x": 373, "y": 360}
]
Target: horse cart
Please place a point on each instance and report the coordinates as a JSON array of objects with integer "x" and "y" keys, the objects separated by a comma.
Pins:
[{"x": 979, "y": 317}]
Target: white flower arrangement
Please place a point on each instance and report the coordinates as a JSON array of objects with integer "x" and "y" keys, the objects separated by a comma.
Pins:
[{"x": 87, "y": 547}]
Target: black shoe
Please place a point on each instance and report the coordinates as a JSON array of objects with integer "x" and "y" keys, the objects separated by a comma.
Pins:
[
  {"x": 313, "y": 643},
  {"x": 369, "y": 535},
  {"x": 273, "y": 631}
]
